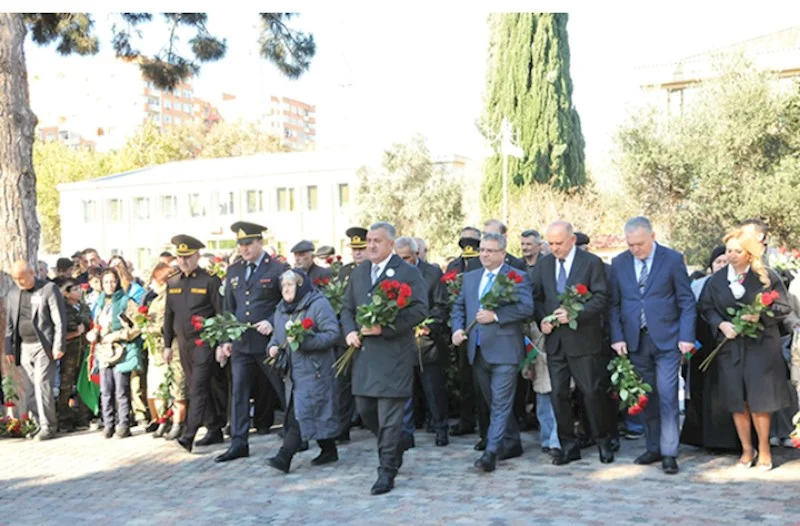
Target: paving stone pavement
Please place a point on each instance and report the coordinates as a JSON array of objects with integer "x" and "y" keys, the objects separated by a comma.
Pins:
[{"x": 140, "y": 480}]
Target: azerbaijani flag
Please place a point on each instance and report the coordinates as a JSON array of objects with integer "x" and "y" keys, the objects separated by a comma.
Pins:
[
  {"x": 531, "y": 352},
  {"x": 88, "y": 385}
]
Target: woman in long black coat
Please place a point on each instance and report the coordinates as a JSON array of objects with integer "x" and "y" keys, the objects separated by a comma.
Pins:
[
  {"x": 707, "y": 423},
  {"x": 312, "y": 412},
  {"x": 752, "y": 371}
]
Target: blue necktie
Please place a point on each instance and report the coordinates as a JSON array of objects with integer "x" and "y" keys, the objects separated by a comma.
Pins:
[
  {"x": 561, "y": 282},
  {"x": 642, "y": 284},
  {"x": 486, "y": 289}
]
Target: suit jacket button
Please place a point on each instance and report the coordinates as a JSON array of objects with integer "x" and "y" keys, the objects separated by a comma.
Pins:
[
  {"x": 247, "y": 314},
  {"x": 247, "y": 293},
  {"x": 247, "y": 303}
]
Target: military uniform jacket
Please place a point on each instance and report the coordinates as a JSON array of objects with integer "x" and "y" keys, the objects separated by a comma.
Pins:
[
  {"x": 346, "y": 270},
  {"x": 384, "y": 366},
  {"x": 461, "y": 264},
  {"x": 194, "y": 295},
  {"x": 253, "y": 300}
]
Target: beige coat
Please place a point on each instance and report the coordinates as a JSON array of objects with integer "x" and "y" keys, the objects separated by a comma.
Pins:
[{"x": 537, "y": 372}]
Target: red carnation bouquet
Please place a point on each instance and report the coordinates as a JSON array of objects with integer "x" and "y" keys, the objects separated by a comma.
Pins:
[
  {"x": 296, "y": 331},
  {"x": 165, "y": 395},
  {"x": 388, "y": 299},
  {"x": 501, "y": 293},
  {"x": 333, "y": 290},
  {"x": 572, "y": 300},
  {"x": 219, "y": 329},
  {"x": 627, "y": 386},
  {"x": 453, "y": 282},
  {"x": 9, "y": 394},
  {"x": 744, "y": 328},
  {"x": 144, "y": 322},
  {"x": 335, "y": 264}
]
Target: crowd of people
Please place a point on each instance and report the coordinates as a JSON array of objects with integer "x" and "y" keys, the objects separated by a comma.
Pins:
[{"x": 483, "y": 312}]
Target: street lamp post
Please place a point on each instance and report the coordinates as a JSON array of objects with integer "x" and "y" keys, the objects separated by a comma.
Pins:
[{"x": 507, "y": 147}]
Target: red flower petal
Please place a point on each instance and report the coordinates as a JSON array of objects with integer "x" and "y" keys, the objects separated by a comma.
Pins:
[
  {"x": 143, "y": 309},
  {"x": 307, "y": 323},
  {"x": 401, "y": 302},
  {"x": 581, "y": 289},
  {"x": 198, "y": 342}
]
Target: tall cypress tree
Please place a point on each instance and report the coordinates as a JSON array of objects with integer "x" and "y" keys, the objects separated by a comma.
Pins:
[{"x": 528, "y": 82}]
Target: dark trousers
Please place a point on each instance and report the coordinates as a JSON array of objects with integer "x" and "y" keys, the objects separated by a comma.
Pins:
[
  {"x": 263, "y": 405},
  {"x": 344, "y": 394},
  {"x": 202, "y": 367},
  {"x": 70, "y": 367},
  {"x": 472, "y": 400},
  {"x": 432, "y": 380},
  {"x": 384, "y": 417},
  {"x": 591, "y": 378},
  {"x": 498, "y": 382},
  {"x": 246, "y": 370},
  {"x": 660, "y": 369},
  {"x": 115, "y": 386},
  {"x": 292, "y": 436}
]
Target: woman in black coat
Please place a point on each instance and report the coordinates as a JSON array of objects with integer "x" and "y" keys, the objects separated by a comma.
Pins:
[
  {"x": 312, "y": 412},
  {"x": 752, "y": 371}
]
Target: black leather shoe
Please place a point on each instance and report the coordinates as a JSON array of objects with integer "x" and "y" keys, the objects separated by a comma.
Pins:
[
  {"x": 280, "y": 462},
  {"x": 344, "y": 437},
  {"x": 647, "y": 458},
  {"x": 585, "y": 441},
  {"x": 152, "y": 426},
  {"x": 512, "y": 452},
  {"x": 407, "y": 441},
  {"x": 325, "y": 457},
  {"x": 606, "y": 454},
  {"x": 441, "y": 438},
  {"x": 263, "y": 430},
  {"x": 213, "y": 436},
  {"x": 460, "y": 429},
  {"x": 614, "y": 444},
  {"x": 384, "y": 484},
  {"x": 565, "y": 457},
  {"x": 481, "y": 445},
  {"x": 233, "y": 453},
  {"x": 487, "y": 462},
  {"x": 555, "y": 452},
  {"x": 670, "y": 465},
  {"x": 303, "y": 446},
  {"x": 185, "y": 443}
]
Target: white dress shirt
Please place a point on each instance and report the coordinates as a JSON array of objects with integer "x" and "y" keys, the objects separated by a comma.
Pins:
[
  {"x": 567, "y": 263},
  {"x": 638, "y": 264},
  {"x": 381, "y": 268}
]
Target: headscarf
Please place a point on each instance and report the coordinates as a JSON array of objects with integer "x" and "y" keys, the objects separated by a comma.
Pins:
[
  {"x": 303, "y": 288},
  {"x": 717, "y": 252}
]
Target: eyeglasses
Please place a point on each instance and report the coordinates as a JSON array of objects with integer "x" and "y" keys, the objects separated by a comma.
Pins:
[{"x": 490, "y": 250}]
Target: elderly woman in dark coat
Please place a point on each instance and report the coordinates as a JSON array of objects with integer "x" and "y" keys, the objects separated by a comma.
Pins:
[{"x": 312, "y": 412}]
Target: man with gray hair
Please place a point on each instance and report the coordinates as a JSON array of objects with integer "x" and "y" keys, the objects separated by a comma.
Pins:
[
  {"x": 498, "y": 227},
  {"x": 383, "y": 369},
  {"x": 422, "y": 249}
]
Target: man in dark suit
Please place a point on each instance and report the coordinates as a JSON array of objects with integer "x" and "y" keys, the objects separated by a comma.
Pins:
[
  {"x": 252, "y": 291},
  {"x": 495, "y": 347},
  {"x": 531, "y": 242},
  {"x": 653, "y": 316},
  {"x": 36, "y": 336},
  {"x": 193, "y": 292},
  {"x": 431, "y": 375},
  {"x": 574, "y": 353},
  {"x": 496, "y": 226},
  {"x": 304, "y": 260},
  {"x": 383, "y": 369}
]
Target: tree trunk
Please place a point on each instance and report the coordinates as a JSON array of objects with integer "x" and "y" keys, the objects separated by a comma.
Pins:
[{"x": 19, "y": 226}]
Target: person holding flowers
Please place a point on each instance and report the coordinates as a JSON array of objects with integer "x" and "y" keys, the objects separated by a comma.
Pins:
[
  {"x": 744, "y": 304},
  {"x": 570, "y": 291},
  {"x": 383, "y": 366},
  {"x": 652, "y": 319},
  {"x": 306, "y": 329},
  {"x": 489, "y": 313},
  {"x": 193, "y": 294}
]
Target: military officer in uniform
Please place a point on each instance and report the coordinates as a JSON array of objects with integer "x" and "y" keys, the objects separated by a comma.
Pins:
[
  {"x": 347, "y": 406},
  {"x": 192, "y": 292},
  {"x": 304, "y": 260},
  {"x": 252, "y": 291},
  {"x": 471, "y": 398}
]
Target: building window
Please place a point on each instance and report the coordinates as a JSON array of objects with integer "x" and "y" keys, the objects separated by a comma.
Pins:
[
  {"x": 187, "y": 108},
  {"x": 155, "y": 117},
  {"x": 344, "y": 195},
  {"x": 178, "y": 120},
  {"x": 225, "y": 200},
  {"x": 167, "y": 119},
  {"x": 141, "y": 208},
  {"x": 143, "y": 260},
  {"x": 187, "y": 94},
  {"x": 169, "y": 206},
  {"x": 167, "y": 104},
  {"x": 196, "y": 206},
  {"x": 255, "y": 201},
  {"x": 312, "y": 197},
  {"x": 285, "y": 199},
  {"x": 89, "y": 209},
  {"x": 114, "y": 210},
  {"x": 153, "y": 101}
]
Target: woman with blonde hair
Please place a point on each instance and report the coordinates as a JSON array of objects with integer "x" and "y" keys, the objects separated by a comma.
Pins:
[{"x": 752, "y": 371}]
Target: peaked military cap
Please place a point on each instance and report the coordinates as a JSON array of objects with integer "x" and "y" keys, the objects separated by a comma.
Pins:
[
  {"x": 469, "y": 247},
  {"x": 303, "y": 246},
  {"x": 246, "y": 232},
  {"x": 581, "y": 239},
  {"x": 358, "y": 237},
  {"x": 186, "y": 245}
]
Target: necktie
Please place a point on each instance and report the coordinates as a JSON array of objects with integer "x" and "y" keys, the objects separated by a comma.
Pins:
[
  {"x": 251, "y": 269},
  {"x": 486, "y": 289},
  {"x": 561, "y": 282},
  {"x": 376, "y": 271},
  {"x": 642, "y": 282}
]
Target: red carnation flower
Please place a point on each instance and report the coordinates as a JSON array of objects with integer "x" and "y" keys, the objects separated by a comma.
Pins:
[
  {"x": 197, "y": 319},
  {"x": 162, "y": 420},
  {"x": 796, "y": 442},
  {"x": 9, "y": 404},
  {"x": 169, "y": 413},
  {"x": 635, "y": 410},
  {"x": 198, "y": 326},
  {"x": 386, "y": 286},
  {"x": 316, "y": 282},
  {"x": 217, "y": 259},
  {"x": 513, "y": 276},
  {"x": 24, "y": 416},
  {"x": 643, "y": 400},
  {"x": 392, "y": 295},
  {"x": 84, "y": 286},
  {"x": 401, "y": 301},
  {"x": 307, "y": 323},
  {"x": 338, "y": 258},
  {"x": 329, "y": 260},
  {"x": 450, "y": 276},
  {"x": 767, "y": 299},
  {"x": 581, "y": 289},
  {"x": 143, "y": 309},
  {"x": 405, "y": 290},
  {"x": 326, "y": 281},
  {"x": 198, "y": 342},
  {"x": 395, "y": 284}
]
